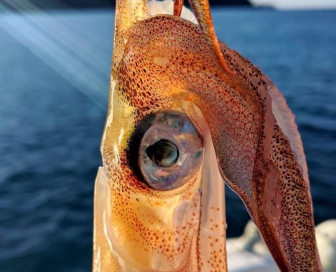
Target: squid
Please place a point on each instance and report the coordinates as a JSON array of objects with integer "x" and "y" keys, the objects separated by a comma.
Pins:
[{"x": 187, "y": 114}]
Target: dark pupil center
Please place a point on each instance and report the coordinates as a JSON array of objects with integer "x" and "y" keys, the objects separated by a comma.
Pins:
[{"x": 163, "y": 153}]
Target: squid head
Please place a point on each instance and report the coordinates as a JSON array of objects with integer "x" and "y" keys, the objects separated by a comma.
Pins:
[{"x": 185, "y": 113}]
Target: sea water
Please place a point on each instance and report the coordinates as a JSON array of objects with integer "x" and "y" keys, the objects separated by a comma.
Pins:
[{"x": 53, "y": 99}]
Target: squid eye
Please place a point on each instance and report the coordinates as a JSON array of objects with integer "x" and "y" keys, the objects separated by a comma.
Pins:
[
  {"x": 170, "y": 150},
  {"x": 164, "y": 153}
]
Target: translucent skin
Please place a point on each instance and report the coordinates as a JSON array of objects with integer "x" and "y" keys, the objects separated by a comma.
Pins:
[{"x": 165, "y": 62}]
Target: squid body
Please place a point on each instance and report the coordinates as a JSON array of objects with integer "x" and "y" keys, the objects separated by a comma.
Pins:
[{"x": 186, "y": 114}]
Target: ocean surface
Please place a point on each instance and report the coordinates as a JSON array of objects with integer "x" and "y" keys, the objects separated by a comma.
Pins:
[{"x": 53, "y": 97}]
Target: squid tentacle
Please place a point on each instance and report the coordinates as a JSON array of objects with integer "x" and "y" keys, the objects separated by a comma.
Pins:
[
  {"x": 178, "y": 4},
  {"x": 202, "y": 12}
]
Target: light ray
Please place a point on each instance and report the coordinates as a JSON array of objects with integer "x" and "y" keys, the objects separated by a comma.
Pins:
[{"x": 62, "y": 48}]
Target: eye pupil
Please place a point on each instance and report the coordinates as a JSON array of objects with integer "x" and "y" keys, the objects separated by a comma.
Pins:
[{"x": 163, "y": 153}]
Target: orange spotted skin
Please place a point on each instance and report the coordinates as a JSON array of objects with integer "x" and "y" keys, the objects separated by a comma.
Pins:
[{"x": 159, "y": 64}]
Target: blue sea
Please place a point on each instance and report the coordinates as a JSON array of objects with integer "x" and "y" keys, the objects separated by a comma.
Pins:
[{"x": 53, "y": 97}]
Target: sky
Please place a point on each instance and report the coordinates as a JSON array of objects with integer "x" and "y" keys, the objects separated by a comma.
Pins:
[{"x": 297, "y": 4}]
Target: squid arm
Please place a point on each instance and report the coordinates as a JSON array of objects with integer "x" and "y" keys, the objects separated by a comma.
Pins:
[{"x": 278, "y": 194}]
